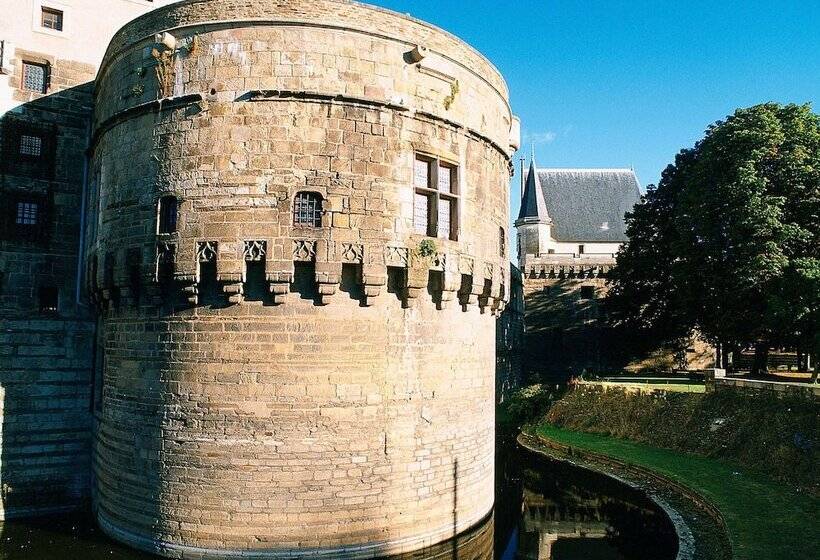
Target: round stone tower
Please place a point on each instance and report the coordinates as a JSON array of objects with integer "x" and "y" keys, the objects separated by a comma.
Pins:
[{"x": 296, "y": 245}]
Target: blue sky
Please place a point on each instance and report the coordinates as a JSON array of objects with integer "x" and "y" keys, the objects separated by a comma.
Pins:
[{"x": 629, "y": 83}]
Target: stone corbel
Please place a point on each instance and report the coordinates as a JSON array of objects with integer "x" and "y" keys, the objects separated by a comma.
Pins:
[
  {"x": 189, "y": 286},
  {"x": 279, "y": 275},
  {"x": 230, "y": 265},
  {"x": 328, "y": 275},
  {"x": 417, "y": 278},
  {"x": 374, "y": 277}
]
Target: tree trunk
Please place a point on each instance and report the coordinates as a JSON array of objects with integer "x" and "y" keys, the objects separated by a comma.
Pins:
[{"x": 761, "y": 359}]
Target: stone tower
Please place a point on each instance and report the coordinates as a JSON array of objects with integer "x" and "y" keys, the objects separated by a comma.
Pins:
[{"x": 296, "y": 250}]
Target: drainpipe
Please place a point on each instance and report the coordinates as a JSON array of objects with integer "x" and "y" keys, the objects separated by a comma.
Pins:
[{"x": 81, "y": 251}]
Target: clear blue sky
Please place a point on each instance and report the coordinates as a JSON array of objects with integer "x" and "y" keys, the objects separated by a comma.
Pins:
[{"x": 615, "y": 83}]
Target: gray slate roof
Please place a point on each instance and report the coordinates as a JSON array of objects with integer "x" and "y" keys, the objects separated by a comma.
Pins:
[{"x": 583, "y": 204}]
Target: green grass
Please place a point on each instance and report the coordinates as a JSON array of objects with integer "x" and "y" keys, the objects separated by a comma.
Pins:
[
  {"x": 767, "y": 520},
  {"x": 667, "y": 387}
]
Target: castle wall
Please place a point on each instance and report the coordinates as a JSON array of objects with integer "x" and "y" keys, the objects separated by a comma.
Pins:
[
  {"x": 348, "y": 405},
  {"x": 509, "y": 341},
  {"x": 45, "y": 354}
]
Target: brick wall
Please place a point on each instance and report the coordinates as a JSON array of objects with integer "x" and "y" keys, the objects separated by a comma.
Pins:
[{"x": 350, "y": 404}]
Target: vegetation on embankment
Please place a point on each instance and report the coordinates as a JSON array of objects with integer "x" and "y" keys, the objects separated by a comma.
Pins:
[
  {"x": 775, "y": 436},
  {"x": 765, "y": 519}
]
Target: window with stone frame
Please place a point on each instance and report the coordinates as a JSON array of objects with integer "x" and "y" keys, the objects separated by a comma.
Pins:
[
  {"x": 28, "y": 148},
  {"x": 36, "y": 77},
  {"x": 51, "y": 18},
  {"x": 307, "y": 209},
  {"x": 502, "y": 242},
  {"x": 435, "y": 197},
  {"x": 167, "y": 214},
  {"x": 24, "y": 217}
]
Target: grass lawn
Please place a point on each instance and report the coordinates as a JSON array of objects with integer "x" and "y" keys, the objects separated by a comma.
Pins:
[
  {"x": 649, "y": 386},
  {"x": 766, "y": 519}
]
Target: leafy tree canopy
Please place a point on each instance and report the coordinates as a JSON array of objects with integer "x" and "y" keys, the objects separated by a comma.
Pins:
[{"x": 728, "y": 242}]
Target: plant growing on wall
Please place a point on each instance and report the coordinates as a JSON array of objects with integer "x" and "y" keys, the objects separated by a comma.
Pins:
[
  {"x": 454, "y": 89},
  {"x": 164, "y": 71},
  {"x": 426, "y": 248}
]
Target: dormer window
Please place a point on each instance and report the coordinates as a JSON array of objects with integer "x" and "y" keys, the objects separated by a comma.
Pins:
[
  {"x": 167, "y": 215},
  {"x": 307, "y": 209}
]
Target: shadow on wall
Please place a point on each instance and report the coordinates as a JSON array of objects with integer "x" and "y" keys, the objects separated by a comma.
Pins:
[
  {"x": 565, "y": 334},
  {"x": 46, "y": 338}
]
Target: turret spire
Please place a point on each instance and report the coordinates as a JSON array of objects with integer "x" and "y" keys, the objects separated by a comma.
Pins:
[{"x": 533, "y": 207}]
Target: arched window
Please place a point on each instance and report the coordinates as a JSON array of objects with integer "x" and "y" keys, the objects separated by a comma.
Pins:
[
  {"x": 307, "y": 209},
  {"x": 167, "y": 215},
  {"x": 502, "y": 242}
]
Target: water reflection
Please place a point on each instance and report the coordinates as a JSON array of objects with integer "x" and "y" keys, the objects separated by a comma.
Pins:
[
  {"x": 544, "y": 511},
  {"x": 570, "y": 513}
]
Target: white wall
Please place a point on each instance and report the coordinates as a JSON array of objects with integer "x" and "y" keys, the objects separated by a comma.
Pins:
[{"x": 88, "y": 26}]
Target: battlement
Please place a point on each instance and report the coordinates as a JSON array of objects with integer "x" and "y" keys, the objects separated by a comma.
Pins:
[{"x": 133, "y": 277}]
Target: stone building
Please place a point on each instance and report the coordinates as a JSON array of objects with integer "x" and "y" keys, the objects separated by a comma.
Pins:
[
  {"x": 49, "y": 53},
  {"x": 570, "y": 227},
  {"x": 296, "y": 247}
]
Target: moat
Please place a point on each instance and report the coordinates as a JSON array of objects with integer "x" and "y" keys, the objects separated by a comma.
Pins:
[{"x": 544, "y": 510}]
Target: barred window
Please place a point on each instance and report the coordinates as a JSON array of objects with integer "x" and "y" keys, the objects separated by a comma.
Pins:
[
  {"x": 307, "y": 209},
  {"x": 167, "y": 215},
  {"x": 28, "y": 148},
  {"x": 27, "y": 214},
  {"x": 435, "y": 200},
  {"x": 31, "y": 145},
  {"x": 51, "y": 19},
  {"x": 35, "y": 77}
]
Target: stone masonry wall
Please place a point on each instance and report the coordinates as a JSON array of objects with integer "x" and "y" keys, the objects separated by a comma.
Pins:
[
  {"x": 348, "y": 405},
  {"x": 45, "y": 356}
]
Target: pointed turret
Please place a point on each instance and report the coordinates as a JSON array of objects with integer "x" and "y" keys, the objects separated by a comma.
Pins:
[
  {"x": 533, "y": 207},
  {"x": 534, "y": 224}
]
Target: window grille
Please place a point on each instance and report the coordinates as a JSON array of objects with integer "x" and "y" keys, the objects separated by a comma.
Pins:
[
  {"x": 31, "y": 145},
  {"x": 35, "y": 77},
  {"x": 307, "y": 209},
  {"x": 51, "y": 19},
  {"x": 435, "y": 202},
  {"x": 26, "y": 214},
  {"x": 167, "y": 215},
  {"x": 28, "y": 148}
]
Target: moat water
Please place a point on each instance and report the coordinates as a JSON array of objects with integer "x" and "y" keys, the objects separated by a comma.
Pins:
[{"x": 544, "y": 510}]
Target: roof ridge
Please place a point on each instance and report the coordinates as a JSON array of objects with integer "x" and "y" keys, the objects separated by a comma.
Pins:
[{"x": 586, "y": 169}]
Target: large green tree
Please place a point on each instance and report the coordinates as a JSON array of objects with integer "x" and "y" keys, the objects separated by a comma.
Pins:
[{"x": 728, "y": 243}]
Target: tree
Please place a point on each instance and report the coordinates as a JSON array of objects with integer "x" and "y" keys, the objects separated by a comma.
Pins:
[{"x": 728, "y": 243}]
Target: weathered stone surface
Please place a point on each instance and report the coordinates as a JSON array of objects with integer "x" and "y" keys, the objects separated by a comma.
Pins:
[{"x": 327, "y": 413}]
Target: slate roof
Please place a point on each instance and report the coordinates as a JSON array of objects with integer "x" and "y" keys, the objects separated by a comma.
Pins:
[{"x": 583, "y": 204}]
